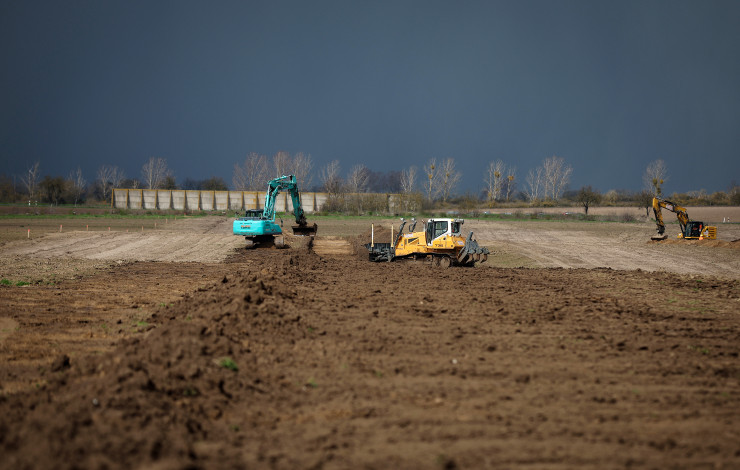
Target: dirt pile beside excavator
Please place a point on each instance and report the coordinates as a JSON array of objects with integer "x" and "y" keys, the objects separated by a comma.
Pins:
[
  {"x": 707, "y": 243},
  {"x": 294, "y": 360}
]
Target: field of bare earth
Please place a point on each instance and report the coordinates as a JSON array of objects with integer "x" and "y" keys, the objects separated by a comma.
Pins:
[
  {"x": 577, "y": 345},
  {"x": 524, "y": 243},
  {"x": 615, "y": 245}
]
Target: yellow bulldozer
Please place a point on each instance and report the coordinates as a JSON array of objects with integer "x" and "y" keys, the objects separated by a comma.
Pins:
[
  {"x": 440, "y": 242},
  {"x": 690, "y": 229}
]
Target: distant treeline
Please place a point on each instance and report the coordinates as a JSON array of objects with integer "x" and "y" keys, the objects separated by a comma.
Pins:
[{"x": 433, "y": 185}]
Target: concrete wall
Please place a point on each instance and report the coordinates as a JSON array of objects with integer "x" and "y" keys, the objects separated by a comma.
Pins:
[{"x": 178, "y": 199}]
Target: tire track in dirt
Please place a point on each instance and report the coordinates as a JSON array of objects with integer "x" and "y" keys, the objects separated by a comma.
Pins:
[
  {"x": 621, "y": 246},
  {"x": 332, "y": 246},
  {"x": 206, "y": 239}
]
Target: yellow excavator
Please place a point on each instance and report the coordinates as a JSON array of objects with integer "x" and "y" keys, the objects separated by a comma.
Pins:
[
  {"x": 440, "y": 242},
  {"x": 690, "y": 229}
]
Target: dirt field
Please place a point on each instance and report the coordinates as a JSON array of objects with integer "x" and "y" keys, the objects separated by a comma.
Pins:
[{"x": 578, "y": 345}]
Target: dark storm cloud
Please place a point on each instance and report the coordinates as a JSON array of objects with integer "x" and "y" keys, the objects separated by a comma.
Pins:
[{"x": 609, "y": 86}]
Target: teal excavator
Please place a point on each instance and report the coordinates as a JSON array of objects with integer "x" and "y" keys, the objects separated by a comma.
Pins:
[{"x": 258, "y": 225}]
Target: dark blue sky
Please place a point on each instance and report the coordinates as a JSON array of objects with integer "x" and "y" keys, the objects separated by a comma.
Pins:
[{"x": 608, "y": 86}]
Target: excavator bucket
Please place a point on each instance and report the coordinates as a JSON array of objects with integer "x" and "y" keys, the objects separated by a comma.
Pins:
[
  {"x": 305, "y": 230},
  {"x": 657, "y": 238}
]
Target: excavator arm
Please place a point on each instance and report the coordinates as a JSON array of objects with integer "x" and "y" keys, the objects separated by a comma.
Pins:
[
  {"x": 287, "y": 183},
  {"x": 683, "y": 217},
  {"x": 273, "y": 189}
]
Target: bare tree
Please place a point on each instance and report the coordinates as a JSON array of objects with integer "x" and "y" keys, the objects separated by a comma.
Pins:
[
  {"x": 494, "y": 180},
  {"x": 431, "y": 171},
  {"x": 556, "y": 176},
  {"x": 330, "y": 179},
  {"x": 116, "y": 177},
  {"x": 654, "y": 177},
  {"x": 154, "y": 172},
  {"x": 30, "y": 180},
  {"x": 302, "y": 166},
  {"x": 610, "y": 197},
  {"x": 109, "y": 177},
  {"x": 253, "y": 174},
  {"x": 283, "y": 164},
  {"x": 534, "y": 184},
  {"x": 357, "y": 183},
  {"x": 77, "y": 184},
  {"x": 449, "y": 178},
  {"x": 408, "y": 180},
  {"x": 357, "y": 179},
  {"x": 510, "y": 181},
  {"x": 490, "y": 181}
]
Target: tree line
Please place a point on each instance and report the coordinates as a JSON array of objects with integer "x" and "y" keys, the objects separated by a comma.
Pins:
[{"x": 433, "y": 184}]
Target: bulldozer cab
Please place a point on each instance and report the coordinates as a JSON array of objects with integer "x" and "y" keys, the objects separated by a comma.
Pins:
[{"x": 441, "y": 227}]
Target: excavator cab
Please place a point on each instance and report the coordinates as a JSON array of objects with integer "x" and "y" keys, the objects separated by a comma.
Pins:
[
  {"x": 693, "y": 229},
  {"x": 253, "y": 214}
]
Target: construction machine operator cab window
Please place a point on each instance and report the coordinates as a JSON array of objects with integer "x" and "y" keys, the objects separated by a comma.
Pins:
[
  {"x": 695, "y": 229},
  {"x": 436, "y": 229},
  {"x": 253, "y": 214}
]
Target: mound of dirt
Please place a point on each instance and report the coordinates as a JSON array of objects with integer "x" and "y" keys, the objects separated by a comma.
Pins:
[
  {"x": 707, "y": 243},
  {"x": 293, "y": 360},
  {"x": 160, "y": 393}
]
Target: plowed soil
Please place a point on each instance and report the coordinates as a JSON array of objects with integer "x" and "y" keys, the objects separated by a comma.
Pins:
[{"x": 143, "y": 354}]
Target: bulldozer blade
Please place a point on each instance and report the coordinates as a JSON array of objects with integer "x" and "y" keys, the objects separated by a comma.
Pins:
[{"x": 305, "y": 230}]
